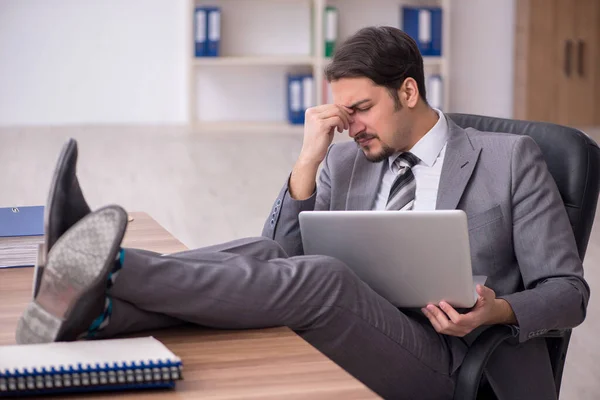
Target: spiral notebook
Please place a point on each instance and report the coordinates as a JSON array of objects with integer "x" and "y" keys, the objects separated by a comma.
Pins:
[{"x": 90, "y": 365}]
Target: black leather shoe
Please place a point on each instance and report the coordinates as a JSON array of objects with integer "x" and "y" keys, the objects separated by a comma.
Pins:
[
  {"x": 66, "y": 204},
  {"x": 72, "y": 289},
  {"x": 64, "y": 207}
]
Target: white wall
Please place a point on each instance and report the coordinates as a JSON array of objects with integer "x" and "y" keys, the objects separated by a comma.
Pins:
[
  {"x": 482, "y": 57},
  {"x": 118, "y": 62},
  {"x": 90, "y": 61}
]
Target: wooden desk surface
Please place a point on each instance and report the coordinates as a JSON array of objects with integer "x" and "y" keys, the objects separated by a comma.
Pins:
[{"x": 253, "y": 364}]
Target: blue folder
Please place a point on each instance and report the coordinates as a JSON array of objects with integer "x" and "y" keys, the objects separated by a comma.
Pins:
[
  {"x": 213, "y": 43},
  {"x": 431, "y": 44},
  {"x": 436, "y": 32},
  {"x": 200, "y": 31},
  {"x": 22, "y": 221}
]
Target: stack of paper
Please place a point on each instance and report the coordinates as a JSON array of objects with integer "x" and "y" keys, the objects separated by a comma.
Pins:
[{"x": 21, "y": 233}]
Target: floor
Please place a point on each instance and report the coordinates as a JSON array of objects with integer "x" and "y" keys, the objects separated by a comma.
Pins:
[{"x": 209, "y": 188}]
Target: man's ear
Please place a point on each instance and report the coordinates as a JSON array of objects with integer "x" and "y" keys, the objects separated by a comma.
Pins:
[{"x": 409, "y": 93}]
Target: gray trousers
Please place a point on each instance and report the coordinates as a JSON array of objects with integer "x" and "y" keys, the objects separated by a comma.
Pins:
[{"x": 252, "y": 283}]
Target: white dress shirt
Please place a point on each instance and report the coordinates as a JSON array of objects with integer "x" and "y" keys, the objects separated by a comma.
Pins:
[{"x": 430, "y": 149}]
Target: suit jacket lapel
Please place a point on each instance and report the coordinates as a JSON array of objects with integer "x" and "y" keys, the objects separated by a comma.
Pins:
[
  {"x": 364, "y": 183},
  {"x": 459, "y": 162}
]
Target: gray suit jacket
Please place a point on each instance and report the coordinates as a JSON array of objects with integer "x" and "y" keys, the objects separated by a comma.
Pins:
[{"x": 519, "y": 234}]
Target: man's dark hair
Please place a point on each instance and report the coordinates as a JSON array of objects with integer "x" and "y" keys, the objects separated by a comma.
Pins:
[{"x": 385, "y": 55}]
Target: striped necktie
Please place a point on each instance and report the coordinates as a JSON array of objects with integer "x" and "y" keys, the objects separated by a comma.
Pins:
[{"x": 402, "y": 193}]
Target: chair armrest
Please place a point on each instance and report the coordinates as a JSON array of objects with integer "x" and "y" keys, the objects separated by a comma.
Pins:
[
  {"x": 557, "y": 333},
  {"x": 557, "y": 342},
  {"x": 477, "y": 357}
]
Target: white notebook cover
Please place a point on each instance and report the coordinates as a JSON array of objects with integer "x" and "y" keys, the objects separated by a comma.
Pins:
[{"x": 114, "y": 352}]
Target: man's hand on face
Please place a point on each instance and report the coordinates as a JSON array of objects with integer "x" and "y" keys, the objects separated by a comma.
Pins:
[
  {"x": 487, "y": 310},
  {"x": 319, "y": 127}
]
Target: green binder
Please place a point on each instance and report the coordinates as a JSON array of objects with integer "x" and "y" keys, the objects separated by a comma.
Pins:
[{"x": 331, "y": 26}]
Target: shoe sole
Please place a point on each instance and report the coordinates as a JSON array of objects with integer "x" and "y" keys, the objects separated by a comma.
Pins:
[{"x": 75, "y": 278}]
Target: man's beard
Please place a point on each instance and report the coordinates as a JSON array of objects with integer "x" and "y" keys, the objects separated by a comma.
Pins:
[{"x": 386, "y": 151}]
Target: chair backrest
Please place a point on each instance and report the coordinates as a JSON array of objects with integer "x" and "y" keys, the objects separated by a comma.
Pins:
[{"x": 573, "y": 160}]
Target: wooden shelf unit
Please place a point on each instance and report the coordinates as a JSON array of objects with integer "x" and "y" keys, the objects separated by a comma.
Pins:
[{"x": 239, "y": 58}]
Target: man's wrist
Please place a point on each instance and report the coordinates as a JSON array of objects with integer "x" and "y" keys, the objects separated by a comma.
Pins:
[
  {"x": 304, "y": 161},
  {"x": 302, "y": 182},
  {"x": 503, "y": 313}
]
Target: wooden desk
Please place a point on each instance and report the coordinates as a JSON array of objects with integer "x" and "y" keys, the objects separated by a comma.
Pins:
[{"x": 254, "y": 364}]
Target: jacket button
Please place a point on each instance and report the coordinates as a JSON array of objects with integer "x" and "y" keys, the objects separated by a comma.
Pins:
[{"x": 278, "y": 202}]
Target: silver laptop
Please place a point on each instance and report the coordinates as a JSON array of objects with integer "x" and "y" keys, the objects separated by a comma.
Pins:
[{"x": 411, "y": 258}]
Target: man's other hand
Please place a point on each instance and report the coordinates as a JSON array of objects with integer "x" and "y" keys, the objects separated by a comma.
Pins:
[{"x": 488, "y": 310}]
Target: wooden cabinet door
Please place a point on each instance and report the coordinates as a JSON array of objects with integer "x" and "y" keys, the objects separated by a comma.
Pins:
[
  {"x": 557, "y": 61},
  {"x": 537, "y": 58},
  {"x": 565, "y": 72},
  {"x": 585, "y": 63}
]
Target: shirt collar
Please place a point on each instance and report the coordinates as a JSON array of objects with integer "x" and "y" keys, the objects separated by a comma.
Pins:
[{"x": 428, "y": 148}]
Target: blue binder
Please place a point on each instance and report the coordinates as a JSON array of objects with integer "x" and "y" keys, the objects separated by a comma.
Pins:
[
  {"x": 214, "y": 31},
  {"x": 410, "y": 25},
  {"x": 295, "y": 99},
  {"x": 436, "y": 32},
  {"x": 200, "y": 31},
  {"x": 424, "y": 25},
  {"x": 22, "y": 221}
]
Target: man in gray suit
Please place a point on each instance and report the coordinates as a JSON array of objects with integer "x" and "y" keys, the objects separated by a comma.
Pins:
[{"x": 405, "y": 155}]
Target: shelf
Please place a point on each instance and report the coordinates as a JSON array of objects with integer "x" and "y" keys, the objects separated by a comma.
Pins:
[
  {"x": 427, "y": 61},
  {"x": 278, "y": 60},
  {"x": 253, "y": 60},
  {"x": 248, "y": 127},
  {"x": 263, "y": 41}
]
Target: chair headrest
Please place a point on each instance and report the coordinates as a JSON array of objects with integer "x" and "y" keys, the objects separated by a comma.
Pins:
[{"x": 573, "y": 159}]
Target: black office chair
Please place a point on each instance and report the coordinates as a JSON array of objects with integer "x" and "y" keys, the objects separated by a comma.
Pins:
[{"x": 573, "y": 159}]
